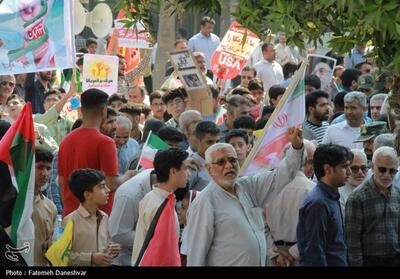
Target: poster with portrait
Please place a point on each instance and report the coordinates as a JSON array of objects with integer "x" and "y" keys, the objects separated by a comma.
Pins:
[
  {"x": 188, "y": 71},
  {"x": 35, "y": 35},
  {"x": 322, "y": 67},
  {"x": 193, "y": 80}
]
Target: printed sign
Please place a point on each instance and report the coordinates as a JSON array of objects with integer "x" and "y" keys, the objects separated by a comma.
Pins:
[
  {"x": 189, "y": 73},
  {"x": 134, "y": 37},
  {"x": 322, "y": 67},
  {"x": 35, "y": 35},
  {"x": 232, "y": 54},
  {"x": 101, "y": 72}
]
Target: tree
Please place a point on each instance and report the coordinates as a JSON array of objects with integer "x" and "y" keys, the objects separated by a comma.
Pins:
[{"x": 351, "y": 22}]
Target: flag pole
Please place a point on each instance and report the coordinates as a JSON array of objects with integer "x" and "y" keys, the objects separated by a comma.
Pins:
[
  {"x": 141, "y": 154},
  {"x": 282, "y": 101}
]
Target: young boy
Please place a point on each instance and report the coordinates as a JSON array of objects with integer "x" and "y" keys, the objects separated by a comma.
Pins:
[
  {"x": 171, "y": 170},
  {"x": 90, "y": 244},
  {"x": 44, "y": 211}
]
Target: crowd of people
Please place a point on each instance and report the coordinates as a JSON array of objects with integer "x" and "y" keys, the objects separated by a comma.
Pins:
[{"x": 332, "y": 201}]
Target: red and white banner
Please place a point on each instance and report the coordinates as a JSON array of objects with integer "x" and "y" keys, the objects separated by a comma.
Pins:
[
  {"x": 289, "y": 112},
  {"x": 232, "y": 54},
  {"x": 134, "y": 37}
]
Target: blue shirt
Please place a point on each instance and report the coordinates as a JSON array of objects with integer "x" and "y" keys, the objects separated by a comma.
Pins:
[
  {"x": 53, "y": 191},
  {"x": 126, "y": 154},
  {"x": 206, "y": 45},
  {"x": 320, "y": 232},
  {"x": 343, "y": 118},
  {"x": 355, "y": 57}
]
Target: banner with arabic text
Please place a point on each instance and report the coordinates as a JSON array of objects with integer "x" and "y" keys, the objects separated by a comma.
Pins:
[{"x": 35, "y": 35}]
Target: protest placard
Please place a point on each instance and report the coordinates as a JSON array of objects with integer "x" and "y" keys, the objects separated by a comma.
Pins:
[
  {"x": 35, "y": 36},
  {"x": 194, "y": 81},
  {"x": 133, "y": 37},
  {"x": 322, "y": 67},
  {"x": 101, "y": 72},
  {"x": 233, "y": 51}
]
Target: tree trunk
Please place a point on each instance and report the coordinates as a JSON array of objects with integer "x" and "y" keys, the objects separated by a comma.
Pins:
[
  {"x": 225, "y": 17},
  {"x": 165, "y": 42}
]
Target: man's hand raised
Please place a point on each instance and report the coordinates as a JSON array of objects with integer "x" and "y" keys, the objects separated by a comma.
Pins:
[{"x": 295, "y": 136}]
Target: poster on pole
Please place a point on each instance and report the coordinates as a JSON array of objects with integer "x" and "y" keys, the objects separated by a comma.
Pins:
[
  {"x": 133, "y": 37},
  {"x": 193, "y": 80},
  {"x": 101, "y": 72},
  {"x": 322, "y": 67},
  {"x": 36, "y": 35},
  {"x": 188, "y": 71},
  {"x": 232, "y": 53}
]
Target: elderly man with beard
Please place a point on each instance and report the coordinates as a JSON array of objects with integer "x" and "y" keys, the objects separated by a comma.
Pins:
[
  {"x": 317, "y": 107},
  {"x": 359, "y": 170},
  {"x": 225, "y": 223},
  {"x": 372, "y": 215}
]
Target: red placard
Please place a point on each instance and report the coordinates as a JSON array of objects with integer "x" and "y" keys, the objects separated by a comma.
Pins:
[{"x": 231, "y": 55}]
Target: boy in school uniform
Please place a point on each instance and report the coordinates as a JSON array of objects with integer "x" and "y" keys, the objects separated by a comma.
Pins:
[{"x": 90, "y": 244}]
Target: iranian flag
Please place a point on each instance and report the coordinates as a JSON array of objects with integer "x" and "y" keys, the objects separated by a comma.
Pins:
[
  {"x": 150, "y": 148},
  {"x": 17, "y": 150},
  {"x": 290, "y": 111}
]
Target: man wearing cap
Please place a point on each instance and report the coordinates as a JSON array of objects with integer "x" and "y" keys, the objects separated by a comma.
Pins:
[
  {"x": 368, "y": 132},
  {"x": 366, "y": 84}
]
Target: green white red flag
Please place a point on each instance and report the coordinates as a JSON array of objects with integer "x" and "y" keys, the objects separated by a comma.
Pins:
[
  {"x": 150, "y": 148},
  {"x": 17, "y": 150},
  {"x": 290, "y": 111}
]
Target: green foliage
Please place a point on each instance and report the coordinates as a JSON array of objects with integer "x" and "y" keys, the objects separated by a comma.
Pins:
[{"x": 351, "y": 21}]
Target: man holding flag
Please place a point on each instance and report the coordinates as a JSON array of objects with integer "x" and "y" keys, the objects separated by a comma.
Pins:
[{"x": 225, "y": 224}]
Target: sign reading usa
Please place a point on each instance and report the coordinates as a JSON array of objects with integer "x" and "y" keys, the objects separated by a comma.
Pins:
[{"x": 232, "y": 53}]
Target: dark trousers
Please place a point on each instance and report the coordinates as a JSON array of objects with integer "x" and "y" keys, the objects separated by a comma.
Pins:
[{"x": 382, "y": 261}]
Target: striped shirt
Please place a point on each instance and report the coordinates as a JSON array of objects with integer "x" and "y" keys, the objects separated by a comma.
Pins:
[
  {"x": 372, "y": 222},
  {"x": 318, "y": 130}
]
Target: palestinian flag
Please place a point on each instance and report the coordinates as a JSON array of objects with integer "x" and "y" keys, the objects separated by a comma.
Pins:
[
  {"x": 17, "y": 150},
  {"x": 150, "y": 148},
  {"x": 160, "y": 247}
]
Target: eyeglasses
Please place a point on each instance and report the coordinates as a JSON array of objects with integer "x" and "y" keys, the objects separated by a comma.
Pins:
[
  {"x": 355, "y": 168},
  {"x": 4, "y": 83},
  {"x": 247, "y": 77},
  {"x": 385, "y": 170},
  {"x": 221, "y": 162},
  {"x": 175, "y": 103}
]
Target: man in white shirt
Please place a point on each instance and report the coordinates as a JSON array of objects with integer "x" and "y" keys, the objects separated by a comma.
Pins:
[
  {"x": 268, "y": 70},
  {"x": 282, "y": 213},
  {"x": 283, "y": 51},
  {"x": 345, "y": 133},
  {"x": 225, "y": 223},
  {"x": 205, "y": 41}
]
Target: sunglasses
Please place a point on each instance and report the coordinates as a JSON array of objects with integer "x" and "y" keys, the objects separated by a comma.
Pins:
[
  {"x": 222, "y": 162},
  {"x": 355, "y": 169},
  {"x": 384, "y": 170},
  {"x": 4, "y": 83}
]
